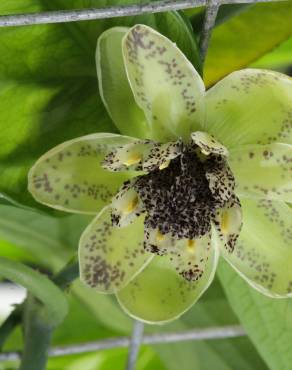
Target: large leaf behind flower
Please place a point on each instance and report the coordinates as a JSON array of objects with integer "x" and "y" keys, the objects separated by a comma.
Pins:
[
  {"x": 267, "y": 321},
  {"x": 48, "y": 83},
  {"x": 245, "y": 38}
]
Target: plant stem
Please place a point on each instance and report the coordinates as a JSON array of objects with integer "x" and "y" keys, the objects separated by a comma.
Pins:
[
  {"x": 9, "y": 325},
  {"x": 37, "y": 336},
  {"x": 68, "y": 274},
  {"x": 37, "y": 325}
]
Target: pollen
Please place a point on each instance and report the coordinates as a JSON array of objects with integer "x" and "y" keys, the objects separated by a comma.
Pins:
[
  {"x": 131, "y": 206},
  {"x": 133, "y": 159},
  {"x": 191, "y": 245},
  {"x": 164, "y": 165},
  {"x": 225, "y": 221},
  {"x": 159, "y": 236}
]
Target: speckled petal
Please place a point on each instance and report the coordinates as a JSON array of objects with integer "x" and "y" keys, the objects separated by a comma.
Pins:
[
  {"x": 159, "y": 294},
  {"x": 70, "y": 177},
  {"x": 128, "y": 157},
  {"x": 250, "y": 107},
  {"x": 220, "y": 178},
  {"x": 208, "y": 143},
  {"x": 165, "y": 84},
  {"x": 263, "y": 171},
  {"x": 190, "y": 256},
  {"x": 142, "y": 155},
  {"x": 110, "y": 256},
  {"x": 160, "y": 155},
  {"x": 228, "y": 222},
  {"x": 126, "y": 205},
  {"x": 156, "y": 242},
  {"x": 114, "y": 86},
  {"x": 263, "y": 253}
]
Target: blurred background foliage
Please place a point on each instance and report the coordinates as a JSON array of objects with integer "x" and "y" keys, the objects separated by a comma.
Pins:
[{"x": 48, "y": 94}]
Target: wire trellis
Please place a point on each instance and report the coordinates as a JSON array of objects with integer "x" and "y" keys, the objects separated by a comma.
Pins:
[
  {"x": 65, "y": 16},
  {"x": 123, "y": 342},
  {"x": 112, "y": 12}
]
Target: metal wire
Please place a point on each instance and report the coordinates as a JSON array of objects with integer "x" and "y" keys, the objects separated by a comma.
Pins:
[
  {"x": 61, "y": 16},
  {"x": 110, "y": 12},
  {"x": 120, "y": 342},
  {"x": 212, "y": 8},
  {"x": 135, "y": 343}
]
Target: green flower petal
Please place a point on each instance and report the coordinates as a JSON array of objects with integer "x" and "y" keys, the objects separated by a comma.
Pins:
[
  {"x": 250, "y": 107},
  {"x": 159, "y": 294},
  {"x": 165, "y": 84},
  {"x": 263, "y": 252},
  {"x": 114, "y": 87},
  {"x": 263, "y": 171},
  {"x": 70, "y": 177},
  {"x": 110, "y": 256}
]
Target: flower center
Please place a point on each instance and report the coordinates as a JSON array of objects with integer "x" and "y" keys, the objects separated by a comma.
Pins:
[{"x": 178, "y": 199}]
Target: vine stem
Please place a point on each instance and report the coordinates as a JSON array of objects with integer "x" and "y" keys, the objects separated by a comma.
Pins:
[
  {"x": 9, "y": 325},
  {"x": 37, "y": 325},
  {"x": 37, "y": 336}
]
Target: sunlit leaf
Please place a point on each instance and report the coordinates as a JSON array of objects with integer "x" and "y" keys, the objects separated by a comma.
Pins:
[
  {"x": 268, "y": 322},
  {"x": 49, "y": 90},
  {"x": 247, "y": 37}
]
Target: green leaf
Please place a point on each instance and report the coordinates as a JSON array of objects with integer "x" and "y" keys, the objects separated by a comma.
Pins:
[
  {"x": 279, "y": 58},
  {"x": 247, "y": 37},
  {"x": 267, "y": 321},
  {"x": 107, "y": 360},
  {"x": 49, "y": 241},
  {"x": 49, "y": 89},
  {"x": 225, "y": 12},
  {"x": 55, "y": 303}
]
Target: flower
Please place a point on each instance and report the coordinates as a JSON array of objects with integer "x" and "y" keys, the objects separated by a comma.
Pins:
[{"x": 197, "y": 170}]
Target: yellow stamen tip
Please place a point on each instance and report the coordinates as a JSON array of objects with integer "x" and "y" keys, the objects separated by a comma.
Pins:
[
  {"x": 131, "y": 206},
  {"x": 225, "y": 222},
  {"x": 164, "y": 165},
  {"x": 205, "y": 152},
  {"x": 133, "y": 159},
  {"x": 191, "y": 244},
  {"x": 159, "y": 236}
]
